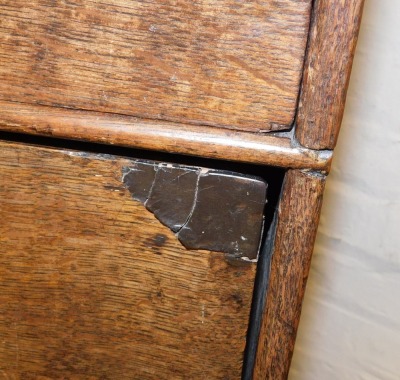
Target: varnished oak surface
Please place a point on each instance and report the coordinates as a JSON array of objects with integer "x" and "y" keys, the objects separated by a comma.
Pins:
[
  {"x": 226, "y": 63},
  {"x": 161, "y": 136},
  {"x": 333, "y": 39},
  {"x": 93, "y": 286},
  {"x": 298, "y": 217}
]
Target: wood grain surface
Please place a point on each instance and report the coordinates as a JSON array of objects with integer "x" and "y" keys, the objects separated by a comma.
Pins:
[
  {"x": 160, "y": 136},
  {"x": 94, "y": 287},
  {"x": 211, "y": 62},
  {"x": 298, "y": 216},
  {"x": 333, "y": 38}
]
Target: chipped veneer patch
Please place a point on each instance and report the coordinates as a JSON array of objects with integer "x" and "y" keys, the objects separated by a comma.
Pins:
[{"x": 207, "y": 209}]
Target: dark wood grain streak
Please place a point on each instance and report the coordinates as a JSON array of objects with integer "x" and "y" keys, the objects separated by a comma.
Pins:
[
  {"x": 94, "y": 287},
  {"x": 333, "y": 38},
  {"x": 161, "y": 136},
  {"x": 210, "y": 62},
  {"x": 298, "y": 216}
]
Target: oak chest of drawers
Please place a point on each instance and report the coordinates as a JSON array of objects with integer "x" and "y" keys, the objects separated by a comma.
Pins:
[{"x": 162, "y": 169}]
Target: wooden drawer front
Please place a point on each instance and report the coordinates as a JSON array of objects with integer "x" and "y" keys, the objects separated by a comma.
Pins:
[
  {"x": 94, "y": 286},
  {"x": 210, "y": 62}
]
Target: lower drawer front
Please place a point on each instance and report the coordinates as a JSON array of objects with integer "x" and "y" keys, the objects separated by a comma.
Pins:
[{"x": 94, "y": 286}]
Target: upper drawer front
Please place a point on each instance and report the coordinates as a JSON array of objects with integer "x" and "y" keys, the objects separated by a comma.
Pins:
[{"x": 222, "y": 63}]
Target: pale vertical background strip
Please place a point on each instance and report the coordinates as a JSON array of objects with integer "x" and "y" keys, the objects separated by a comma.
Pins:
[{"x": 350, "y": 325}]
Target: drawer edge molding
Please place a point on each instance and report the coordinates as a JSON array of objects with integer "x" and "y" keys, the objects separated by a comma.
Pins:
[
  {"x": 297, "y": 220},
  {"x": 331, "y": 47},
  {"x": 105, "y": 128}
]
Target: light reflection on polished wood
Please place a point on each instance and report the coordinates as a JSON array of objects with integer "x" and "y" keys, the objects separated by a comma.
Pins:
[{"x": 162, "y": 136}]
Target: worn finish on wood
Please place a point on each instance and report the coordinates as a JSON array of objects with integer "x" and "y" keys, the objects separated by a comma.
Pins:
[
  {"x": 209, "y": 62},
  {"x": 333, "y": 39},
  {"x": 166, "y": 137},
  {"x": 139, "y": 178},
  {"x": 209, "y": 209},
  {"x": 93, "y": 286},
  {"x": 298, "y": 216},
  {"x": 172, "y": 195}
]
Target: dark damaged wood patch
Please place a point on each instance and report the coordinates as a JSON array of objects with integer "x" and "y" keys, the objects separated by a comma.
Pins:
[{"x": 208, "y": 209}]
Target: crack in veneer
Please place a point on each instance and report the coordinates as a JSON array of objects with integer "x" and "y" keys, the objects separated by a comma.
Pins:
[{"x": 211, "y": 209}]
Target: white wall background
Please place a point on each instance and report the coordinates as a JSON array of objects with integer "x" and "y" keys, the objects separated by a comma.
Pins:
[{"x": 350, "y": 324}]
